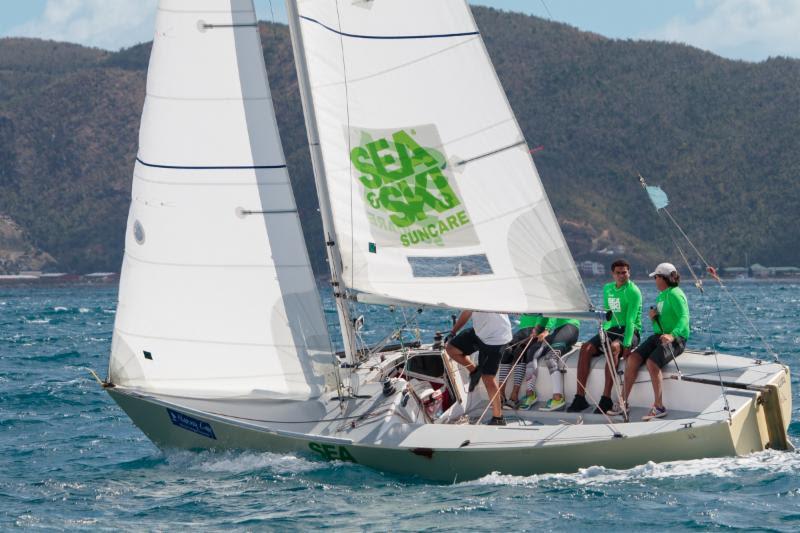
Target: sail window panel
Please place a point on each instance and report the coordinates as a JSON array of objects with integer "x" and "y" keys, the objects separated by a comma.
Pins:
[
  {"x": 188, "y": 62},
  {"x": 449, "y": 267},
  {"x": 390, "y": 18},
  {"x": 218, "y": 133},
  {"x": 206, "y": 225}
]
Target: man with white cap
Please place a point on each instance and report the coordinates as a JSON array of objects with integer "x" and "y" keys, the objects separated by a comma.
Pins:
[{"x": 670, "y": 319}]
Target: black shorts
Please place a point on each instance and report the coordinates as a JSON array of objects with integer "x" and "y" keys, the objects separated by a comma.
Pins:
[
  {"x": 489, "y": 354},
  {"x": 661, "y": 354},
  {"x": 561, "y": 340},
  {"x": 614, "y": 334},
  {"x": 512, "y": 351}
]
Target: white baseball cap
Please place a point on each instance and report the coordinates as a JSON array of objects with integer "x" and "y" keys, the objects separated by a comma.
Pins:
[{"x": 664, "y": 269}]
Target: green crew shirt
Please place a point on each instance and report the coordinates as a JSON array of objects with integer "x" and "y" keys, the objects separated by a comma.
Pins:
[
  {"x": 625, "y": 304},
  {"x": 529, "y": 320},
  {"x": 673, "y": 310},
  {"x": 552, "y": 324}
]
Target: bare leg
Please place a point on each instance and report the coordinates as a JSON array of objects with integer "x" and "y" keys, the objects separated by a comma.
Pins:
[
  {"x": 655, "y": 378},
  {"x": 491, "y": 389},
  {"x": 459, "y": 357},
  {"x": 615, "y": 350},
  {"x": 631, "y": 370},
  {"x": 584, "y": 363},
  {"x": 515, "y": 393}
]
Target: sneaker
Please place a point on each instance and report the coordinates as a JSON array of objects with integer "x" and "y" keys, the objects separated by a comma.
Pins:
[
  {"x": 617, "y": 410},
  {"x": 554, "y": 405},
  {"x": 474, "y": 378},
  {"x": 496, "y": 421},
  {"x": 604, "y": 405},
  {"x": 528, "y": 401},
  {"x": 655, "y": 412},
  {"x": 578, "y": 404},
  {"x": 511, "y": 404}
]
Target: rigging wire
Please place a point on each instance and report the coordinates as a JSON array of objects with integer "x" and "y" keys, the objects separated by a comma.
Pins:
[
  {"x": 343, "y": 289},
  {"x": 698, "y": 283},
  {"x": 712, "y": 271},
  {"x": 349, "y": 140},
  {"x": 549, "y": 15},
  {"x": 273, "y": 25}
]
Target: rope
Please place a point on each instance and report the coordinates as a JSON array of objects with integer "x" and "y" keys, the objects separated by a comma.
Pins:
[
  {"x": 614, "y": 378},
  {"x": 510, "y": 373}
]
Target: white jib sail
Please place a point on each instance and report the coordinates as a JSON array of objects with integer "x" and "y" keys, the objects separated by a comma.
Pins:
[
  {"x": 217, "y": 297},
  {"x": 434, "y": 193}
]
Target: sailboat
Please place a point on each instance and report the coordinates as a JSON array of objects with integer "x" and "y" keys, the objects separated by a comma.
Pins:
[{"x": 429, "y": 198}]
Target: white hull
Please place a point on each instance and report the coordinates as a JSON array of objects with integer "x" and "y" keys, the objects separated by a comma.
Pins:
[{"x": 377, "y": 431}]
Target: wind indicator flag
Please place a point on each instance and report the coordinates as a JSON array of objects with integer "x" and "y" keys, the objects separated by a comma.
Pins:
[{"x": 657, "y": 196}]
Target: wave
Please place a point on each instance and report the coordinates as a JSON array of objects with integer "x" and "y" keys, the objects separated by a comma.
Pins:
[
  {"x": 770, "y": 461},
  {"x": 240, "y": 462}
]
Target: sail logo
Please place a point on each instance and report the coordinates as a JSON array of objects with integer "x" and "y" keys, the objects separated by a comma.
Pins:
[{"x": 410, "y": 195}]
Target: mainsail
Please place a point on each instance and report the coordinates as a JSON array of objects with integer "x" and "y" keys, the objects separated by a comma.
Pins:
[
  {"x": 434, "y": 195},
  {"x": 217, "y": 297}
]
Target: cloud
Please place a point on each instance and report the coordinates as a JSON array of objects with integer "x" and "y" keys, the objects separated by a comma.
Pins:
[
  {"x": 109, "y": 24},
  {"x": 742, "y": 29}
]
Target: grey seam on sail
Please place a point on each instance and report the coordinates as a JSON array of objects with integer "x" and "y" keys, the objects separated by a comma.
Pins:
[
  {"x": 493, "y": 152},
  {"x": 269, "y": 212},
  {"x": 397, "y": 67},
  {"x": 492, "y": 277},
  {"x": 209, "y": 99},
  {"x": 202, "y": 341},
  {"x": 243, "y": 25},
  {"x": 200, "y": 11},
  {"x": 200, "y": 265}
]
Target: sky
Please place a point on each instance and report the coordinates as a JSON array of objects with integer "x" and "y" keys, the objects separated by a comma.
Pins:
[{"x": 750, "y": 30}]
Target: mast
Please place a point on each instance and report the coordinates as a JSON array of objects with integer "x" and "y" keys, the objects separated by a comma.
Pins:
[{"x": 331, "y": 244}]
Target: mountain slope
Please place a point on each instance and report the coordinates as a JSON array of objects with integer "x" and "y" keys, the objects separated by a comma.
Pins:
[{"x": 722, "y": 138}]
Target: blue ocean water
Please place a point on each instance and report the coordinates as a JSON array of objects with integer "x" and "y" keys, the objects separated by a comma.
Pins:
[{"x": 71, "y": 459}]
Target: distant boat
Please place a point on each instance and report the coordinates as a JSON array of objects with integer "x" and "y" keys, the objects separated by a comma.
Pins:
[{"x": 423, "y": 173}]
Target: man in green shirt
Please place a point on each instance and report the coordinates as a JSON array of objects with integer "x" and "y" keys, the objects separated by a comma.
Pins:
[
  {"x": 671, "y": 326},
  {"x": 624, "y": 300}
]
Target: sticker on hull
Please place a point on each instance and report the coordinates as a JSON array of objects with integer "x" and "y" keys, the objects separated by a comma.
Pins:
[{"x": 191, "y": 424}]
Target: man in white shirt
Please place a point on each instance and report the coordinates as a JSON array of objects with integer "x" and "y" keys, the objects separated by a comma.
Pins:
[{"x": 489, "y": 334}]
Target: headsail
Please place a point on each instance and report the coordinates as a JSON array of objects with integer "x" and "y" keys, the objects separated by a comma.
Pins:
[
  {"x": 434, "y": 194},
  {"x": 217, "y": 297}
]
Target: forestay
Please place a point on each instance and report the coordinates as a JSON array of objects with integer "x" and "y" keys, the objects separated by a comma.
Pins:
[
  {"x": 217, "y": 297},
  {"x": 434, "y": 193}
]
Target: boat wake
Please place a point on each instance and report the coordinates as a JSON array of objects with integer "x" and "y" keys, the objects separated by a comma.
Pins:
[
  {"x": 242, "y": 462},
  {"x": 769, "y": 462}
]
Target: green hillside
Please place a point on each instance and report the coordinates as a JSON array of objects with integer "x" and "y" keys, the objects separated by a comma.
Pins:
[{"x": 721, "y": 137}]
